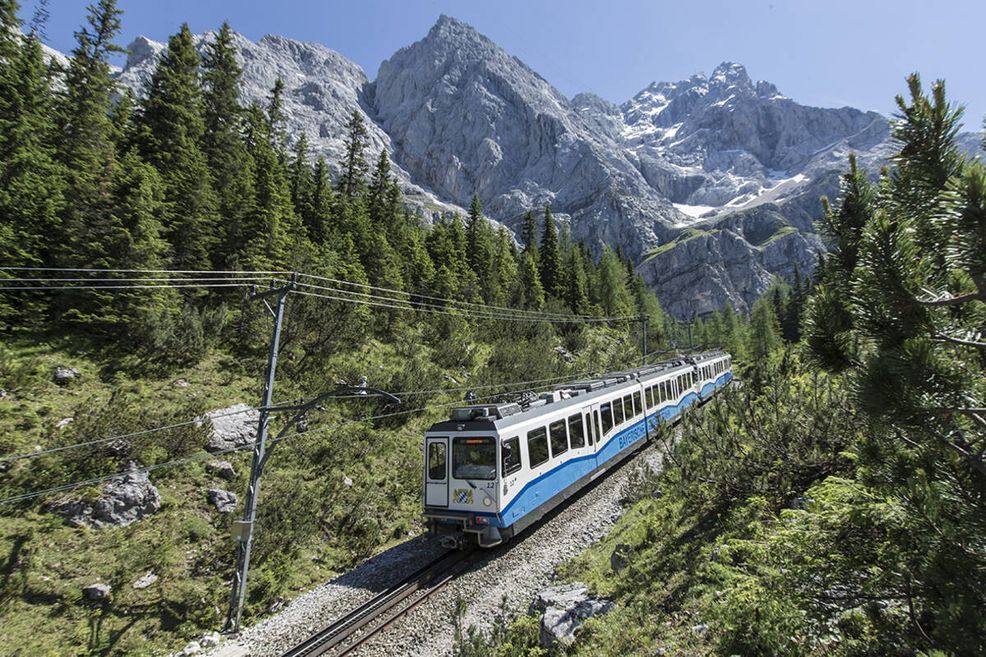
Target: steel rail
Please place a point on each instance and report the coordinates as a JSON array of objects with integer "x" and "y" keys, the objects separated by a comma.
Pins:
[{"x": 343, "y": 636}]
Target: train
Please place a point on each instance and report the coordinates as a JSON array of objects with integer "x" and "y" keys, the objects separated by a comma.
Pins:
[{"x": 492, "y": 470}]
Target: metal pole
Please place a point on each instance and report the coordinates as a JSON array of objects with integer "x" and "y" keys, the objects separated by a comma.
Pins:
[
  {"x": 246, "y": 526},
  {"x": 643, "y": 340}
]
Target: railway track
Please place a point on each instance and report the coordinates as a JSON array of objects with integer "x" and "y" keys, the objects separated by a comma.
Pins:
[{"x": 345, "y": 635}]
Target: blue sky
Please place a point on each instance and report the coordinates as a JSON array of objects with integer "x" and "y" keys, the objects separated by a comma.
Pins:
[{"x": 819, "y": 52}]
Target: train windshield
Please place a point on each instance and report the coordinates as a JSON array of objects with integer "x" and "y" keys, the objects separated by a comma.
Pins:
[{"x": 474, "y": 458}]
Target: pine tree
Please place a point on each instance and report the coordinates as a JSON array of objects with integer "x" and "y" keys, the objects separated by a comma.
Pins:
[
  {"x": 230, "y": 165},
  {"x": 85, "y": 145},
  {"x": 791, "y": 321},
  {"x": 271, "y": 227},
  {"x": 379, "y": 188},
  {"x": 614, "y": 297},
  {"x": 505, "y": 269},
  {"x": 31, "y": 181},
  {"x": 317, "y": 213},
  {"x": 479, "y": 250},
  {"x": 764, "y": 330},
  {"x": 354, "y": 167},
  {"x": 530, "y": 292},
  {"x": 171, "y": 137},
  {"x": 529, "y": 235},
  {"x": 550, "y": 258},
  {"x": 577, "y": 294},
  {"x": 829, "y": 322},
  {"x": 300, "y": 178}
]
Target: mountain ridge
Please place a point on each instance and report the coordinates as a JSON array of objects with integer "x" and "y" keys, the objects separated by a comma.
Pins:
[{"x": 460, "y": 115}]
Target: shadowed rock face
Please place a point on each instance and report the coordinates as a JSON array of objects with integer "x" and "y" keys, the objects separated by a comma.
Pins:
[{"x": 459, "y": 115}]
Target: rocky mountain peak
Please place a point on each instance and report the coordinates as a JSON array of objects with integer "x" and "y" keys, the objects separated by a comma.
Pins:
[
  {"x": 729, "y": 75},
  {"x": 142, "y": 49}
]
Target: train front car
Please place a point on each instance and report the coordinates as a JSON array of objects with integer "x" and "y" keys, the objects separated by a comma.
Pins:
[{"x": 461, "y": 476}]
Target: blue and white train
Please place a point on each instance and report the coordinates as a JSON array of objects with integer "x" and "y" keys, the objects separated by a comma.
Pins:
[{"x": 493, "y": 470}]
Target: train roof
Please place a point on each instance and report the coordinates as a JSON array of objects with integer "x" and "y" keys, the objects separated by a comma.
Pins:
[{"x": 576, "y": 394}]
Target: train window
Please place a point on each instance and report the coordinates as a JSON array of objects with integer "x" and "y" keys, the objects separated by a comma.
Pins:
[
  {"x": 559, "y": 438},
  {"x": 650, "y": 397},
  {"x": 474, "y": 458},
  {"x": 607, "y": 413},
  {"x": 510, "y": 455},
  {"x": 597, "y": 431},
  {"x": 436, "y": 461},
  {"x": 617, "y": 412},
  {"x": 537, "y": 446},
  {"x": 628, "y": 407},
  {"x": 664, "y": 391},
  {"x": 576, "y": 431},
  {"x": 638, "y": 407}
]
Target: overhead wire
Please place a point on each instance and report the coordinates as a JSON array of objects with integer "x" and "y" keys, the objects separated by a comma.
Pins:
[
  {"x": 518, "y": 314},
  {"x": 481, "y": 306},
  {"x": 201, "y": 457},
  {"x": 200, "y": 419},
  {"x": 455, "y": 312},
  {"x": 241, "y": 278}
]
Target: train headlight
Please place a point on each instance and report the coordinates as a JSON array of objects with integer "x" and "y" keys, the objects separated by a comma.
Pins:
[{"x": 487, "y": 501}]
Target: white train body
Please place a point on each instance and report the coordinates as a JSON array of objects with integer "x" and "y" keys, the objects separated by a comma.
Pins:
[{"x": 493, "y": 470}]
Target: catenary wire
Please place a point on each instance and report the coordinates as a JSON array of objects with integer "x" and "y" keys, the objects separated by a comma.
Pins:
[
  {"x": 178, "y": 425},
  {"x": 201, "y": 457},
  {"x": 454, "y": 312},
  {"x": 482, "y": 306},
  {"x": 525, "y": 314}
]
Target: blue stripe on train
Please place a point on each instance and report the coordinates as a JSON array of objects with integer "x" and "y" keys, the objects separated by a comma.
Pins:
[{"x": 538, "y": 491}]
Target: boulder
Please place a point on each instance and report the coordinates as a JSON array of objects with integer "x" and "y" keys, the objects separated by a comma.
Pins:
[
  {"x": 620, "y": 557},
  {"x": 232, "y": 427},
  {"x": 125, "y": 500},
  {"x": 64, "y": 375},
  {"x": 223, "y": 500},
  {"x": 563, "y": 609},
  {"x": 97, "y": 592},
  {"x": 564, "y": 354},
  {"x": 145, "y": 581},
  {"x": 222, "y": 469},
  {"x": 210, "y": 640}
]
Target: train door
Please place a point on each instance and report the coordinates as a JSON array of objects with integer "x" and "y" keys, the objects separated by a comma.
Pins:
[
  {"x": 590, "y": 428},
  {"x": 436, "y": 471}
]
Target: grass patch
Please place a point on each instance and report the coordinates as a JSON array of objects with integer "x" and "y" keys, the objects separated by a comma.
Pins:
[{"x": 685, "y": 236}]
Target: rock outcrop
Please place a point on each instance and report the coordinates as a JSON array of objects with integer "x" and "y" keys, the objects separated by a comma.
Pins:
[
  {"x": 232, "y": 427},
  {"x": 223, "y": 500},
  {"x": 96, "y": 592},
  {"x": 125, "y": 500},
  {"x": 222, "y": 469},
  {"x": 563, "y": 609}
]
